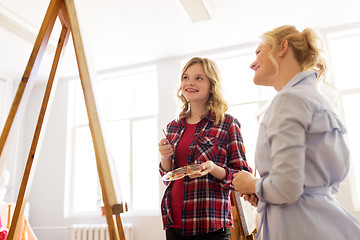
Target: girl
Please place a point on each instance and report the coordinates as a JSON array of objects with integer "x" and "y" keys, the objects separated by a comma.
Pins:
[{"x": 199, "y": 207}]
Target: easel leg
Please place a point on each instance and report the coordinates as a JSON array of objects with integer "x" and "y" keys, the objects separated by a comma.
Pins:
[
  {"x": 120, "y": 227},
  {"x": 27, "y": 79},
  {"x": 113, "y": 233},
  {"x": 32, "y": 158},
  {"x": 104, "y": 171}
]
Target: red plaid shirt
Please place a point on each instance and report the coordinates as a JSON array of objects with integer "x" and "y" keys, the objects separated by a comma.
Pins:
[{"x": 207, "y": 207}]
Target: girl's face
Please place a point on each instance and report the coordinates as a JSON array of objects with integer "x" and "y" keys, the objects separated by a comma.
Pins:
[
  {"x": 195, "y": 85},
  {"x": 263, "y": 67}
]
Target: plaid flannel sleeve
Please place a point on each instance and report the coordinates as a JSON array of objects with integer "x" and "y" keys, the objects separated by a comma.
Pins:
[{"x": 236, "y": 159}]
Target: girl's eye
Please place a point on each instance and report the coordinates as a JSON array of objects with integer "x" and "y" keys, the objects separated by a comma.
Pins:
[
  {"x": 257, "y": 52},
  {"x": 185, "y": 78},
  {"x": 199, "y": 78}
]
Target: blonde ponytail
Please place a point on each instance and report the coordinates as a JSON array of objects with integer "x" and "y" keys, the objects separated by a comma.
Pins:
[{"x": 307, "y": 47}]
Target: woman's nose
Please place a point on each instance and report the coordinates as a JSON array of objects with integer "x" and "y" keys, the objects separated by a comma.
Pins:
[{"x": 253, "y": 65}]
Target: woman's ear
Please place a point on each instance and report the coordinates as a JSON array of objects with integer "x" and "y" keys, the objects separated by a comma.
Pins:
[{"x": 284, "y": 46}]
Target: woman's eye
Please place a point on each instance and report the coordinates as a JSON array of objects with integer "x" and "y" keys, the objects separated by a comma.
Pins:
[
  {"x": 185, "y": 78},
  {"x": 257, "y": 52},
  {"x": 199, "y": 78}
]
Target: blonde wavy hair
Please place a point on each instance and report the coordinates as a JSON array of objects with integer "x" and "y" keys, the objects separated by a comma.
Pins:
[
  {"x": 307, "y": 47},
  {"x": 216, "y": 103}
]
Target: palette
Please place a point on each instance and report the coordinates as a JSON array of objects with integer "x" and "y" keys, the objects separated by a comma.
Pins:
[{"x": 181, "y": 172}]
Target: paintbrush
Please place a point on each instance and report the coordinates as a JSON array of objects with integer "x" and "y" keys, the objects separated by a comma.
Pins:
[{"x": 168, "y": 139}]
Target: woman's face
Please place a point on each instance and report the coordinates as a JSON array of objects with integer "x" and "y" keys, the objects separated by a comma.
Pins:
[
  {"x": 195, "y": 85},
  {"x": 263, "y": 67}
]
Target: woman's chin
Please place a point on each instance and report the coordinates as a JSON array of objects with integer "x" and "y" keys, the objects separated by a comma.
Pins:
[{"x": 257, "y": 81}]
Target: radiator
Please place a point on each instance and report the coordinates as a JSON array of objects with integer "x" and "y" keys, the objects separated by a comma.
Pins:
[{"x": 97, "y": 232}]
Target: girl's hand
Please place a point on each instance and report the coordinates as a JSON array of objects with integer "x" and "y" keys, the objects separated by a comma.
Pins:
[
  {"x": 165, "y": 148},
  {"x": 206, "y": 168}
]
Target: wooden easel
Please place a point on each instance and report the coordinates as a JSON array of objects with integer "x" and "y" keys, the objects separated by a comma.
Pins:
[
  {"x": 238, "y": 232},
  {"x": 66, "y": 12}
]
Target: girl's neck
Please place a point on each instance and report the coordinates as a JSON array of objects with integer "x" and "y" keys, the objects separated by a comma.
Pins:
[{"x": 196, "y": 114}]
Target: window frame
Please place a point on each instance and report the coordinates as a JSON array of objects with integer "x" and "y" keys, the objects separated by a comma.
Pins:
[
  {"x": 69, "y": 210},
  {"x": 336, "y": 34}
]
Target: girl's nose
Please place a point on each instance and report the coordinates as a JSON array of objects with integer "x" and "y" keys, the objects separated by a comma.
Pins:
[{"x": 191, "y": 82}]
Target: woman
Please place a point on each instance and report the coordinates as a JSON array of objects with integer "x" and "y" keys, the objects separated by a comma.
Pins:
[
  {"x": 198, "y": 207},
  {"x": 301, "y": 154}
]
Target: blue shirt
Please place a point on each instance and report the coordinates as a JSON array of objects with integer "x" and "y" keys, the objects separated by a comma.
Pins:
[{"x": 302, "y": 157}]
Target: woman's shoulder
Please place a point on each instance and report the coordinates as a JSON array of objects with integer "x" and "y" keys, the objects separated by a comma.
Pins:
[
  {"x": 290, "y": 105},
  {"x": 304, "y": 96},
  {"x": 293, "y": 96}
]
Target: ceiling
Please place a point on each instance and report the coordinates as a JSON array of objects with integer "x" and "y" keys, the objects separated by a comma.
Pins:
[{"x": 122, "y": 33}]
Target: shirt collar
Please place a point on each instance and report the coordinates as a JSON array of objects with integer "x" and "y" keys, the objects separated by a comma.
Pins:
[
  {"x": 299, "y": 77},
  {"x": 209, "y": 117}
]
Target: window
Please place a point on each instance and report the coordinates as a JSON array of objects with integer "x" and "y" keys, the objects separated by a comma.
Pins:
[
  {"x": 246, "y": 100},
  {"x": 344, "y": 55},
  {"x": 128, "y": 105}
]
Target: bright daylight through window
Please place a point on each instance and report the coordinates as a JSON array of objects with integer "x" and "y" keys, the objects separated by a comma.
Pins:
[
  {"x": 129, "y": 108},
  {"x": 345, "y": 65}
]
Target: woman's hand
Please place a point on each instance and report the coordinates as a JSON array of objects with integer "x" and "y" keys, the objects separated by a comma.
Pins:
[
  {"x": 244, "y": 183},
  {"x": 252, "y": 199}
]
